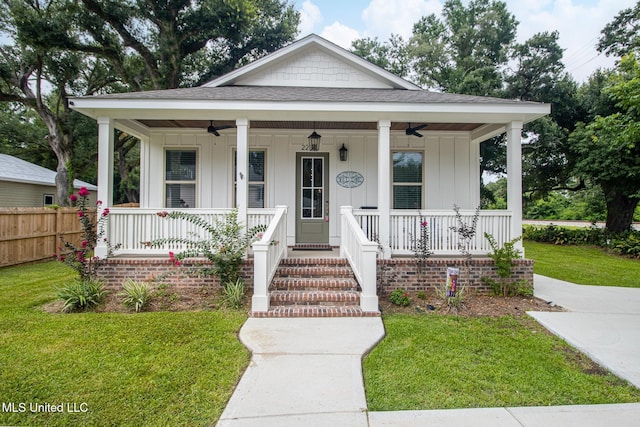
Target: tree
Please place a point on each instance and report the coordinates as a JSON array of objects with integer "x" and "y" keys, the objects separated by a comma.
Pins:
[
  {"x": 174, "y": 43},
  {"x": 622, "y": 35},
  {"x": 393, "y": 55},
  {"x": 609, "y": 146},
  {"x": 36, "y": 73},
  {"x": 465, "y": 51}
]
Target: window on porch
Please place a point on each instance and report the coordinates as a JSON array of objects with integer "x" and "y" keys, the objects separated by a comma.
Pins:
[
  {"x": 180, "y": 178},
  {"x": 407, "y": 179},
  {"x": 256, "y": 178}
]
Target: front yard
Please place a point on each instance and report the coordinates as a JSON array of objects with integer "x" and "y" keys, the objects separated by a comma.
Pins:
[
  {"x": 156, "y": 368},
  {"x": 429, "y": 361},
  {"x": 180, "y": 368}
]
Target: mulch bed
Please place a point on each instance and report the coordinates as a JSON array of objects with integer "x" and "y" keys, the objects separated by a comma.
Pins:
[{"x": 474, "y": 305}]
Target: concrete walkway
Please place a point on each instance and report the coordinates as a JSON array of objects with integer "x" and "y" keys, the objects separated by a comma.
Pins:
[
  {"x": 308, "y": 372},
  {"x": 304, "y": 372}
]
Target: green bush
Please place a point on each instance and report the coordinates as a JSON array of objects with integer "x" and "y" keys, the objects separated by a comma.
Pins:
[
  {"x": 626, "y": 244},
  {"x": 400, "y": 297},
  {"x": 234, "y": 293},
  {"x": 81, "y": 294},
  {"x": 456, "y": 301},
  {"x": 136, "y": 295}
]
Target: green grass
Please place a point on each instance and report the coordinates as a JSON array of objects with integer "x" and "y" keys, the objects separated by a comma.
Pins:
[
  {"x": 584, "y": 265},
  {"x": 130, "y": 369},
  {"x": 439, "y": 362}
]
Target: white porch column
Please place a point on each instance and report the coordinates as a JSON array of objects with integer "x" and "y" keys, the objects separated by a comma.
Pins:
[
  {"x": 514, "y": 178},
  {"x": 384, "y": 185},
  {"x": 242, "y": 168},
  {"x": 105, "y": 175}
]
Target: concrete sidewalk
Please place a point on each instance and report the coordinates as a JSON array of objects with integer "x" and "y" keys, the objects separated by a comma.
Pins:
[{"x": 308, "y": 372}]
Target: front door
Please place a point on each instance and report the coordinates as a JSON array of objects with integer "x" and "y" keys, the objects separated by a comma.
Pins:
[{"x": 312, "y": 198}]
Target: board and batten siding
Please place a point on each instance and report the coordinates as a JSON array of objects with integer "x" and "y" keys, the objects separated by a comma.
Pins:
[{"x": 451, "y": 168}]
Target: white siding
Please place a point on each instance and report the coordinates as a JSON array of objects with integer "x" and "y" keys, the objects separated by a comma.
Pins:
[
  {"x": 313, "y": 67},
  {"x": 449, "y": 160}
]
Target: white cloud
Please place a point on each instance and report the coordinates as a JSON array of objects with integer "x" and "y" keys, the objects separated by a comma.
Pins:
[
  {"x": 385, "y": 17},
  {"x": 310, "y": 18},
  {"x": 340, "y": 34}
]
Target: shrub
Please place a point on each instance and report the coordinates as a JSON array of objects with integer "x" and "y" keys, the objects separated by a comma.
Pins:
[
  {"x": 136, "y": 295},
  {"x": 234, "y": 293},
  {"x": 224, "y": 246},
  {"x": 626, "y": 244},
  {"x": 456, "y": 301},
  {"x": 503, "y": 256},
  {"x": 81, "y": 257},
  {"x": 400, "y": 297},
  {"x": 81, "y": 294}
]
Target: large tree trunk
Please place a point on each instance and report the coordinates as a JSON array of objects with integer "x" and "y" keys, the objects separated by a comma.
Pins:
[{"x": 620, "y": 209}]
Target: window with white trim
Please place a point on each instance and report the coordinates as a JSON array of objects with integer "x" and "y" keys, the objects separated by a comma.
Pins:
[
  {"x": 407, "y": 178},
  {"x": 48, "y": 200},
  {"x": 257, "y": 178},
  {"x": 180, "y": 178}
]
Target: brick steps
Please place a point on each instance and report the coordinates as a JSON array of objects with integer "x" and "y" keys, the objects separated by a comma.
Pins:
[
  {"x": 315, "y": 297},
  {"x": 314, "y": 287},
  {"x": 315, "y": 311}
]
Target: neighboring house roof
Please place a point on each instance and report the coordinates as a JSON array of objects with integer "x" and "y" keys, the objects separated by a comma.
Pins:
[{"x": 17, "y": 170}]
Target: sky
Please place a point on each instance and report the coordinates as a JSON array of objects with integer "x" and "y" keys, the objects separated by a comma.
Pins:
[{"x": 578, "y": 22}]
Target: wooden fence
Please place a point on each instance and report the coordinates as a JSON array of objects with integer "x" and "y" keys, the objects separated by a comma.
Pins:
[{"x": 33, "y": 234}]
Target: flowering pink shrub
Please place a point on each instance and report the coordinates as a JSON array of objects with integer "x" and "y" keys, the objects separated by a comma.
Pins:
[{"x": 82, "y": 258}]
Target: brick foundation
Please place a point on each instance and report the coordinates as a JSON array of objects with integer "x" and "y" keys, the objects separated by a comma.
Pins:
[
  {"x": 392, "y": 274},
  {"x": 115, "y": 271},
  {"x": 404, "y": 273}
]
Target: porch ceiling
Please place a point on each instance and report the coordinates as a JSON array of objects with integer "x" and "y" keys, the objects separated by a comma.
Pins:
[{"x": 264, "y": 124}]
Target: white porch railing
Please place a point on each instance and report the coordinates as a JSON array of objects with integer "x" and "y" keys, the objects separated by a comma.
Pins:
[
  {"x": 361, "y": 254},
  {"x": 404, "y": 229},
  {"x": 132, "y": 227},
  {"x": 267, "y": 253}
]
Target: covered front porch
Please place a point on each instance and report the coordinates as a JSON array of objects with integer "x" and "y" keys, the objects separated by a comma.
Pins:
[{"x": 321, "y": 147}]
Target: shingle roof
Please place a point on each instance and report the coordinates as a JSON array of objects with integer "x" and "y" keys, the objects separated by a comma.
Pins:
[
  {"x": 18, "y": 170},
  {"x": 306, "y": 94}
]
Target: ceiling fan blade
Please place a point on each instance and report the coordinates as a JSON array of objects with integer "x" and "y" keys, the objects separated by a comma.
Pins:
[
  {"x": 414, "y": 130},
  {"x": 224, "y": 127}
]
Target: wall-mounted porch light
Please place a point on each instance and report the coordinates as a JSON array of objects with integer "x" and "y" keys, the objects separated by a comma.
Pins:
[{"x": 343, "y": 153}]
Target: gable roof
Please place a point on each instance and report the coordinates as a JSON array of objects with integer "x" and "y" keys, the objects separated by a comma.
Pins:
[
  {"x": 316, "y": 62},
  {"x": 14, "y": 169}
]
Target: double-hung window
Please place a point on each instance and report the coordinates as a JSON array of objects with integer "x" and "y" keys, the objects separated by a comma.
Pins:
[
  {"x": 180, "y": 178},
  {"x": 256, "y": 178},
  {"x": 407, "y": 179}
]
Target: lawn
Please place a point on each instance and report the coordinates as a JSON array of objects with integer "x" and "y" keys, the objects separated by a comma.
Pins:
[
  {"x": 584, "y": 265},
  {"x": 440, "y": 362},
  {"x": 157, "y": 368}
]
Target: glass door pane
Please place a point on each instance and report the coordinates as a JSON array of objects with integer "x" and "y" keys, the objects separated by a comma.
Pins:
[{"x": 312, "y": 188}]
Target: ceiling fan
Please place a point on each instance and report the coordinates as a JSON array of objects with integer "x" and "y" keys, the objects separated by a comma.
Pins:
[
  {"x": 214, "y": 129},
  {"x": 414, "y": 130}
]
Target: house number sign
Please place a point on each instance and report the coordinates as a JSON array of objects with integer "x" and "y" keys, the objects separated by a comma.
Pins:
[{"x": 349, "y": 179}]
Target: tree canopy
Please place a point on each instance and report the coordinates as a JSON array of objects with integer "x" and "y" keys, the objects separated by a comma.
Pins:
[{"x": 63, "y": 48}]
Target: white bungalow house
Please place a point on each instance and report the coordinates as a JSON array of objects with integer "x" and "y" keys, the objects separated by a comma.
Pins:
[{"x": 319, "y": 143}]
